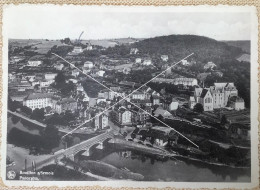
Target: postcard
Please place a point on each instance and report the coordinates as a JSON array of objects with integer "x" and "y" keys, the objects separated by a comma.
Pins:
[{"x": 130, "y": 96}]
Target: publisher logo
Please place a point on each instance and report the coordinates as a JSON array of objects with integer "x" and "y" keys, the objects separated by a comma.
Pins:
[{"x": 11, "y": 174}]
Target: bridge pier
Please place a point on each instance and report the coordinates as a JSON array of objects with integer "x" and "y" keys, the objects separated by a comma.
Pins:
[
  {"x": 71, "y": 157},
  {"x": 100, "y": 146},
  {"x": 86, "y": 153}
]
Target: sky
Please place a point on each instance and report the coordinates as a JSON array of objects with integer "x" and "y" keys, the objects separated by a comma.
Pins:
[{"x": 58, "y": 22}]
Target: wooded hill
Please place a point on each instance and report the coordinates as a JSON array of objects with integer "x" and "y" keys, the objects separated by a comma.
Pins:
[{"x": 179, "y": 46}]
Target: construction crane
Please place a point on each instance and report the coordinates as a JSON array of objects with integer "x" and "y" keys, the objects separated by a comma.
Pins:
[{"x": 78, "y": 40}]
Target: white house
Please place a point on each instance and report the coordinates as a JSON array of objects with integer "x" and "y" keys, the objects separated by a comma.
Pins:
[
  {"x": 164, "y": 57},
  {"x": 34, "y": 63},
  {"x": 77, "y": 49},
  {"x": 100, "y": 73},
  {"x": 88, "y": 64},
  {"x": 138, "y": 60},
  {"x": 173, "y": 105},
  {"x": 185, "y": 62},
  {"x": 58, "y": 66},
  {"x": 192, "y": 102},
  {"x": 147, "y": 62},
  {"x": 89, "y": 47},
  {"x": 50, "y": 76},
  {"x": 210, "y": 65},
  {"x": 134, "y": 51}
]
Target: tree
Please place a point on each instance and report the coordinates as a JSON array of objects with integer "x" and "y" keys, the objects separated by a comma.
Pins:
[
  {"x": 60, "y": 79},
  {"x": 38, "y": 114},
  {"x": 51, "y": 136},
  {"x": 224, "y": 120},
  {"x": 198, "y": 108}
]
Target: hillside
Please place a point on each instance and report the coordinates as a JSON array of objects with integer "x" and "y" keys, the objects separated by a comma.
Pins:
[
  {"x": 243, "y": 44},
  {"x": 179, "y": 46}
]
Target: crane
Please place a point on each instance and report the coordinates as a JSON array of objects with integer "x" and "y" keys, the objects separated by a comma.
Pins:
[{"x": 78, "y": 40}]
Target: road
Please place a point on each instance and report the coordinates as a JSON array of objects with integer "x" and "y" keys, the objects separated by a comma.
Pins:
[{"x": 65, "y": 130}]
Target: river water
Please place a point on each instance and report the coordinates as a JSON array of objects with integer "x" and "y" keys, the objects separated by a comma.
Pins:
[{"x": 154, "y": 168}]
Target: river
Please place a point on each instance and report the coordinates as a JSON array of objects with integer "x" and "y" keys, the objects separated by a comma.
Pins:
[{"x": 154, "y": 168}]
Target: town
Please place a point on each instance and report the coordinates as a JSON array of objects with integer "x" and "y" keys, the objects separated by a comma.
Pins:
[{"x": 189, "y": 106}]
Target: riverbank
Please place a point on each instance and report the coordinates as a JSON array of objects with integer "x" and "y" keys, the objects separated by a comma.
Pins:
[{"x": 165, "y": 153}]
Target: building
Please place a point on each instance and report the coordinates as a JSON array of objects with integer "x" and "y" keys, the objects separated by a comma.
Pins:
[
  {"x": 75, "y": 72},
  {"x": 134, "y": 51},
  {"x": 164, "y": 113},
  {"x": 192, "y": 102},
  {"x": 123, "y": 116},
  {"x": 164, "y": 57},
  {"x": 221, "y": 93},
  {"x": 185, "y": 62},
  {"x": 185, "y": 81},
  {"x": 77, "y": 49},
  {"x": 237, "y": 103},
  {"x": 209, "y": 65},
  {"x": 88, "y": 64},
  {"x": 177, "y": 81},
  {"x": 65, "y": 104},
  {"x": 58, "y": 66},
  {"x": 101, "y": 121},
  {"x": 89, "y": 47},
  {"x": 156, "y": 100},
  {"x": 34, "y": 61},
  {"x": 50, "y": 76},
  {"x": 101, "y": 73},
  {"x": 206, "y": 100},
  {"x": 38, "y": 100},
  {"x": 137, "y": 95},
  {"x": 138, "y": 60},
  {"x": 147, "y": 62}
]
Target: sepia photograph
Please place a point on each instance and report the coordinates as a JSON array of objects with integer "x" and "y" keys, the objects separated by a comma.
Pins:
[{"x": 140, "y": 94}]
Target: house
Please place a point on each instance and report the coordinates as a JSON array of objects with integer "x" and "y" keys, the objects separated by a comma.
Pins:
[
  {"x": 186, "y": 81},
  {"x": 192, "y": 102},
  {"x": 210, "y": 65},
  {"x": 89, "y": 47},
  {"x": 222, "y": 92},
  {"x": 134, "y": 51},
  {"x": 147, "y": 62},
  {"x": 38, "y": 100},
  {"x": 138, "y": 60},
  {"x": 58, "y": 66},
  {"x": 34, "y": 61},
  {"x": 101, "y": 73},
  {"x": 237, "y": 103},
  {"x": 101, "y": 121},
  {"x": 170, "y": 104},
  {"x": 88, "y": 64},
  {"x": 206, "y": 100},
  {"x": 99, "y": 99},
  {"x": 138, "y": 95},
  {"x": 77, "y": 49},
  {"x": 160, "y": 111},
  {"x": 177, "y": 81},
  {"x": 173, "y": 106},
  {"x": 184, "y": 62},
  {"x": 50, "y": 76},
  {"x": 164, "y": 57},
  {"x": 75, "y": 72},
  {"x": 45, "y": 83},
  {"x": 126, "y": 70},
  {"x": 65, "y": 104},
  {"x": 155, "y": 99},
  {"x": 162, "y": 135},
  {"x": 123, "y": 116}
]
